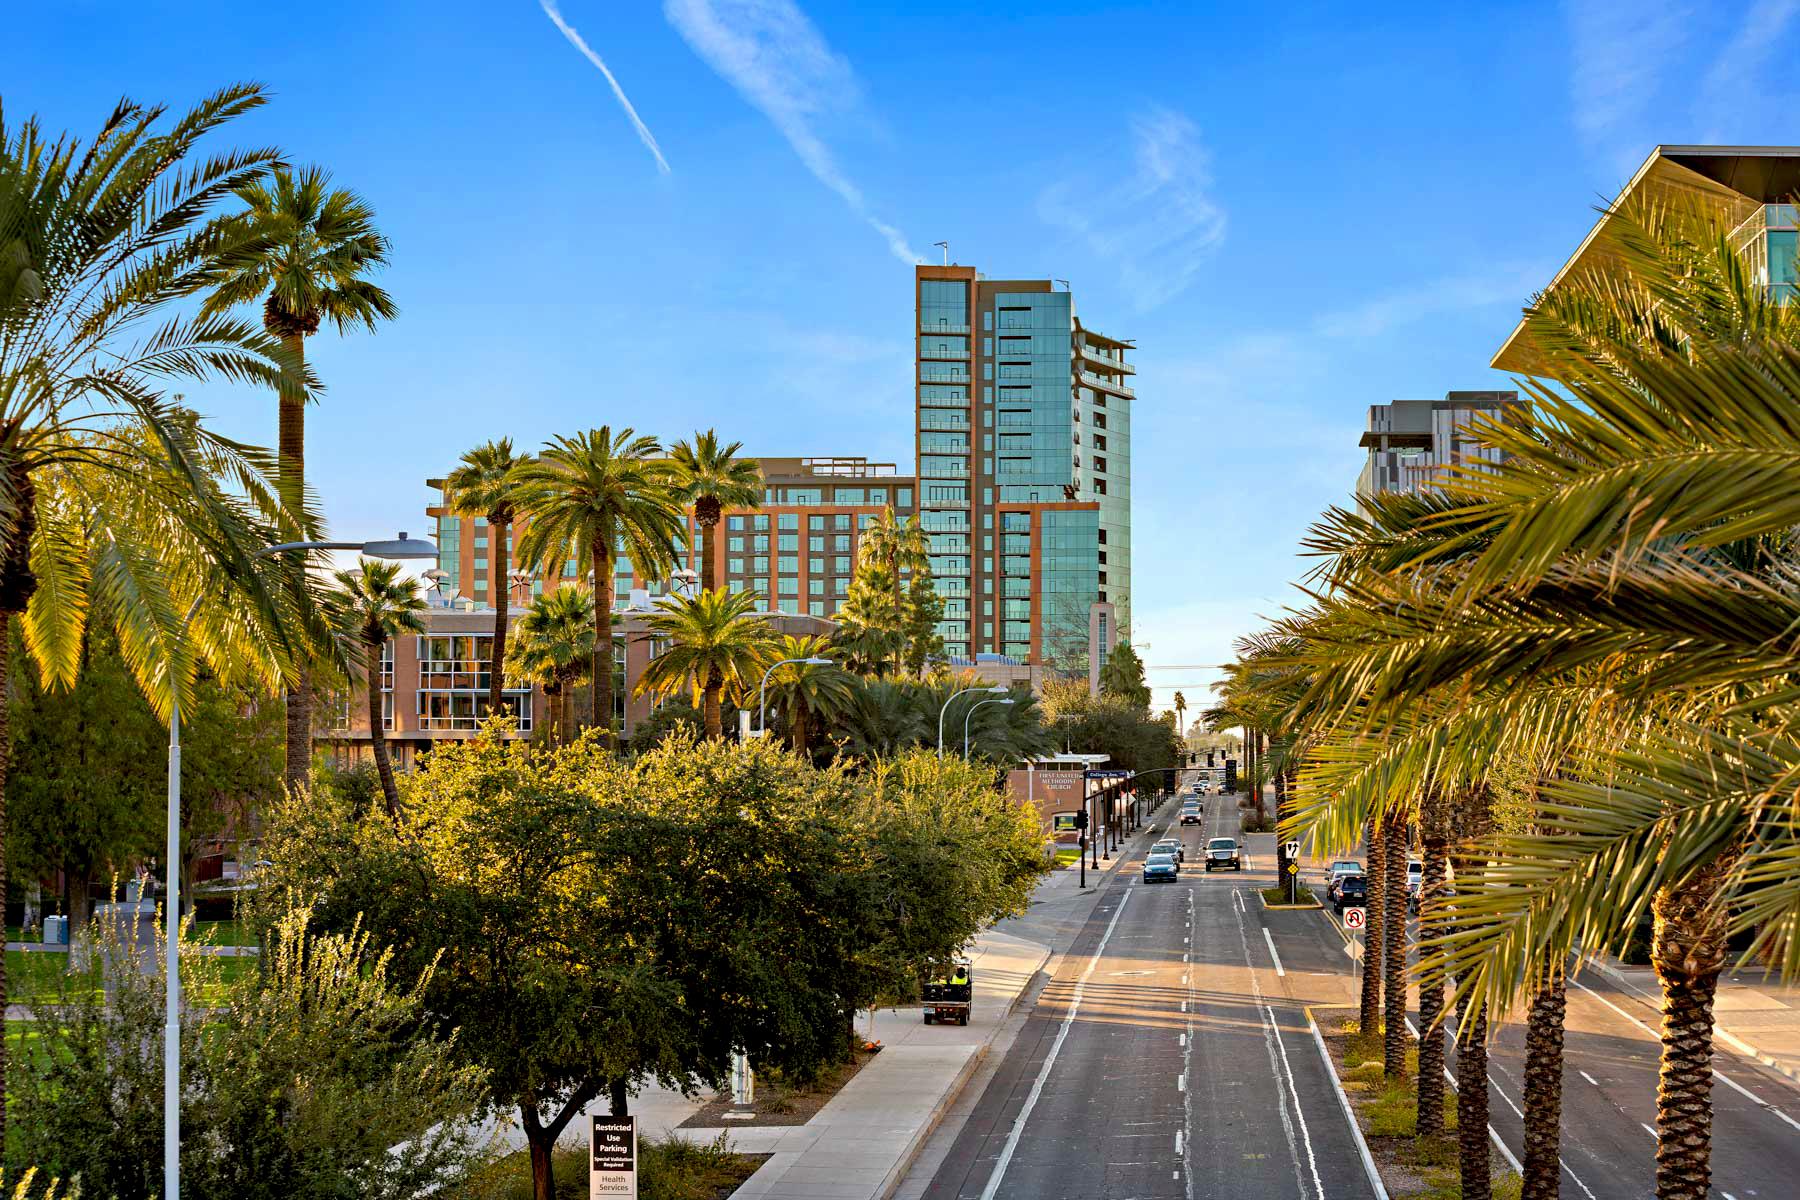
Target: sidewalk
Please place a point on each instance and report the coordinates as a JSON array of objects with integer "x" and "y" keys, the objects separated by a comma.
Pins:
[
  {"x": 860, "y": 1144},
  {"x": 1753, "y": 1013}
]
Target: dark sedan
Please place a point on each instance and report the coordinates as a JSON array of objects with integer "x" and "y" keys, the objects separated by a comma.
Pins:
[{"x": 1160, "y": 868}]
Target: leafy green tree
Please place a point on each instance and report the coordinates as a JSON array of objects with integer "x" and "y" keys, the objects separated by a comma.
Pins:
[
  {"x": 669, "y": 718},
  {"x": 319, "y": 1076},
  {"x": 920, "y": 614},
  {"x": 1122, "y": 675},
  {"x": 714, "y": 643},
  {"x": 553, "y": 645},
  {"x": 711, "y": 478},
  {"x": 97, "y": 239},
  {"x": 885, "y": 619},
  {"x": 588, "y": 498},
  {"x": 486, "y": 485},
  {"x": 804, "y": 692},
  {"x": 374, "y": 605},
  {"x": 306, "y": 250}
]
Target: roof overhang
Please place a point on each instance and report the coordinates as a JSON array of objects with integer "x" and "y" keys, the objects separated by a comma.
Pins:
[{"x": 1733, "y": 179}]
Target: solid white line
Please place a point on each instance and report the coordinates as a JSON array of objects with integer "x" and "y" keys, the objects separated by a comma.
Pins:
[
  {"x": 1588, "y": 1077},
  {"x": 1647, "y": 1129},
  {"x": 1727, "y": 1080},
  {"x": 1037, "y": 1086},
  {"x": 1311, "y": 1160},
  {"x": 1368, "y": 1160},
  {"x": 1178, "y": 1143},
  {"x": 1272, "y": 954},
  {"x": 1493, "y": 1133},
  {"x": 1182, "y": 1040},
  {"x": 1181, "y": 1083}
]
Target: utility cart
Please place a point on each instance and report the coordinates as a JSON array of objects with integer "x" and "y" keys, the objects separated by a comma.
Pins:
[{"x": 949, "y": 999}]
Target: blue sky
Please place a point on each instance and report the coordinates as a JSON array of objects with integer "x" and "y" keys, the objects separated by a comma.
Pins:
[{"x": 1297, "y": 211}]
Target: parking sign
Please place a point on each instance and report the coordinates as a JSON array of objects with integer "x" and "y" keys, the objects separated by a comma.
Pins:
[
  {"x": 612, "y": 1171},
  {"x": 1355, "y": 918}
]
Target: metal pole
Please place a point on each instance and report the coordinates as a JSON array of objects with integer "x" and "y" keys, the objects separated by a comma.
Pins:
[
  {"x": 945, "y": 709},
  {"x": 762, "y": 692},
  {"x": 172, "y": 975},
  {"x": 970, "y": 716}
]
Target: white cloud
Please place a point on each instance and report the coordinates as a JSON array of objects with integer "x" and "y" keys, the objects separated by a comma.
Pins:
[
  {"x": 575, "y": 40},
  {"x": 1734, "y": 88},
  {"x": 1619, "y": 49},
  {"x": 1505, "y": 282},
  {"x": 1158, "y": 226},
  {"x": 779, "y": 63}
]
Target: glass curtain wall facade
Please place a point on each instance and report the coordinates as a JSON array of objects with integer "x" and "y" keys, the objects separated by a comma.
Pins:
[{"x": 1024, "y": 451}]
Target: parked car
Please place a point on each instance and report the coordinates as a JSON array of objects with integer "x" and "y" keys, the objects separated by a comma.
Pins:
[
  {"x": 1223, "y": 852},
  {"x": 1190, "y": 813},
  {"x": 1172, "y": 847},
  {"x": 1160, "y": 868},
  {"x": 1340, "y": 869},
  {"x": 1415, "y": 882},
  {"x": 1352, "y": 892}
]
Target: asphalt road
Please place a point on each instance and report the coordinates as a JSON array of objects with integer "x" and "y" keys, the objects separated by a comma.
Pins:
[{"x": 1169, "y": 1056}]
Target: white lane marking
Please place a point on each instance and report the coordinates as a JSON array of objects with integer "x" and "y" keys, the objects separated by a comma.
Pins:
[
  {"x": 1728, "y": 1196},
  {"x": 1182, "y": 1041},
  {"x": 1272, "y": 1039},
  {"x": 1647, "y": 1129},
  {"x": 1588, "y": 1077},
  {"x": 1368, "y": 1160},
  {"x": 1560, "y": 1160},
  {"x": 1278, "y": 971},
  {"x": 1181, "y": 1083},
  {"x": 1178, "y": 1143},
  {"x": 1184, "y": 1006},
  {"x": 1493, "y": 1133},
  {"x": 1062, "y": 1035},
  {"x": 1727, "y": 1080}
]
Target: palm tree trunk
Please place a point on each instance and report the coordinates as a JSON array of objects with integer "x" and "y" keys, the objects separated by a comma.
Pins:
[
  {"x": 798, "y": 727},
  {"x": 715, "y": 724},
  {"x": 1688, "y": 952},
  {"x": 1543, "y": 1091},
  {"x": 500, "y": 588},
  {"x": 709, "y": 536},
  {"x": 1371, "y": 972},
  {"x": 1472, "y": 1105},
  {"x": 291, "y": 483},
  {"x": 602, "y": 663},
  {"x": 1393, "y": 929},
  {"x": 377, "y": 736},
  {"x": 567, "y": 723},
  {"x": 1434, "y": 827}
]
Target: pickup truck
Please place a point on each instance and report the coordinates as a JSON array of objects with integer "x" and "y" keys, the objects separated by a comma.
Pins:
[{"x": 1223, "y": 852}]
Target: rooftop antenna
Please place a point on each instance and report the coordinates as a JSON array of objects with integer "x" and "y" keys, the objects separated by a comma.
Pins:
[{"x": 946, "y": 246}]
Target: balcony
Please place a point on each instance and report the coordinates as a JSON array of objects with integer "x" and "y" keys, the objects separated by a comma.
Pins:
[
  {"x": 930, "y": 327},
  {"x": 1106, "y": 385},
  {"x": 943, "y": 374},
  {"x": 944, "y": 422},
  {"x": 1117, "y": 366},
  {"x": 953, "y": 353},
  {"x": 932, "y": 502}
]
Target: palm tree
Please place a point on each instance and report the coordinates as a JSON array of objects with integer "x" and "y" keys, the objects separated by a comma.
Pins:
[
  {"x": 1181, "y": 729},
  {"x": 111, "y": 501},
  {"x": 588, "y": 498},
  {"x": 376, "y": 604},
  {"x": 553, "y": 646},
  {"x": 711, "y": 478},
  {"x": 715, "y": 643},
  {"x": 306, "y": 251},
  {"x": 486, "y": 485},
  {"x": 892, "y": 545},
  {"x": 807, "y": 691},
  {"x": 888, "y": 716}
]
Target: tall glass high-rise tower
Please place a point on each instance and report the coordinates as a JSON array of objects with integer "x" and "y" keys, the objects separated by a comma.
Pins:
[{"x": 1024, "y": 450}]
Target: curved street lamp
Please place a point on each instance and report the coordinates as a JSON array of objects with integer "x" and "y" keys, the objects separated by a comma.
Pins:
[
  {"x": 970, "y": 716},
  {"x": 996, "y": 690},
  {"x": 402, "y": 547},
  {"x": 762, "y": 698}
]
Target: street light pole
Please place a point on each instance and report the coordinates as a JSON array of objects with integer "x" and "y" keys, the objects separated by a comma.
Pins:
[
  {"x": 996, "y": 690},
  {"x": 970, "y": 716},
  {"x": 403, "y": 547},
  {"x": 762, "y": 691}
]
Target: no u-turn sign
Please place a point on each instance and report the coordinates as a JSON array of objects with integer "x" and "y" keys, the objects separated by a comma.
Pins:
[{"x": 1355, "y": 918}]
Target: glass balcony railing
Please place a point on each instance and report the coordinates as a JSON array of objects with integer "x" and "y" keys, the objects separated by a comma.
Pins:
[
  {"x": 941, "y": 374},
  {"x": 1107, "y": 385}
]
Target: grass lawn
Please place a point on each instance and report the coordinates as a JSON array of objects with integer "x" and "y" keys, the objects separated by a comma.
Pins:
[
  {"x": 1066, "y": 855},
  {"x": 224, "y": 933},
  {"x": 33, "y": 976},
  {"x": 675, "y": 1169},
  {"x": 1279, "y": 895}
]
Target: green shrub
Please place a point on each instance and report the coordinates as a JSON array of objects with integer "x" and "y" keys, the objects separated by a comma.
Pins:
[{"x": 668, "y": 1169}]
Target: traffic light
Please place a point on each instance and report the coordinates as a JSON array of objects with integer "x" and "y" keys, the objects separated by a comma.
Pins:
[
  {"x": 1231, "y": 774},
  {"x": 1081, "y": 819}
]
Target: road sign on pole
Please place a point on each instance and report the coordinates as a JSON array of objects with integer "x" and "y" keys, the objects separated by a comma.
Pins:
[
  {"x": 612, "y": 1172},
  {"x": 1293, "y": 868},
  {"x": 1292, "y": 849},
  {"x": 1355, "y": 918}
]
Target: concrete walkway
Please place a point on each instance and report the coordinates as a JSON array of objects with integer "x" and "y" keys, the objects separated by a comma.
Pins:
[
  {"x": 1753, "y": 1013},
  {"x": 860, "y": 1144}
]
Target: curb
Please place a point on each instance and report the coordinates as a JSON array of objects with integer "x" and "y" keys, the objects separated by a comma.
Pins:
[
  {"x": 897, "y": 1175},
  {"x": 1731, "y": 1039},
  {"x": 1362, "y": 1147},
  {"x": 1287, "y": 907}
]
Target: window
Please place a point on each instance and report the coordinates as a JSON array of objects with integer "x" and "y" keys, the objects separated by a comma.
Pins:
[
  {"x": 789, "y": 587},
  {"x": 1099, "y": 487},
  {"x": 841, "y": 521},
  {"x": 816, "y": 607},
  {"x": 1099, "y": 442},
  {"x": 788, "y": 521},
  {"x": 787, "y": 564},
  {"x": 788, "y": 606},
  {"x": 760, "y": 543},
  {"x": 815, "y": 566},
  {"x": 734, "y": 522},
  {"x": 815, "y": 586},
  {"x": 1099, "y": 463},
  {"x": 760, "y": 521},
  {"x": 734, "y": 566},
  {"x": 841, "y": 564},
  {"x": 735, "y": 545},
  {"x": 840, "y": 586},
  {"x": 851, "y": 496},
  {"x": 816, "y": 545},
  {"x": 841, "y": 543},
  {"x": 788, "y": 542},
  {"x": 815, "y": 522}
]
